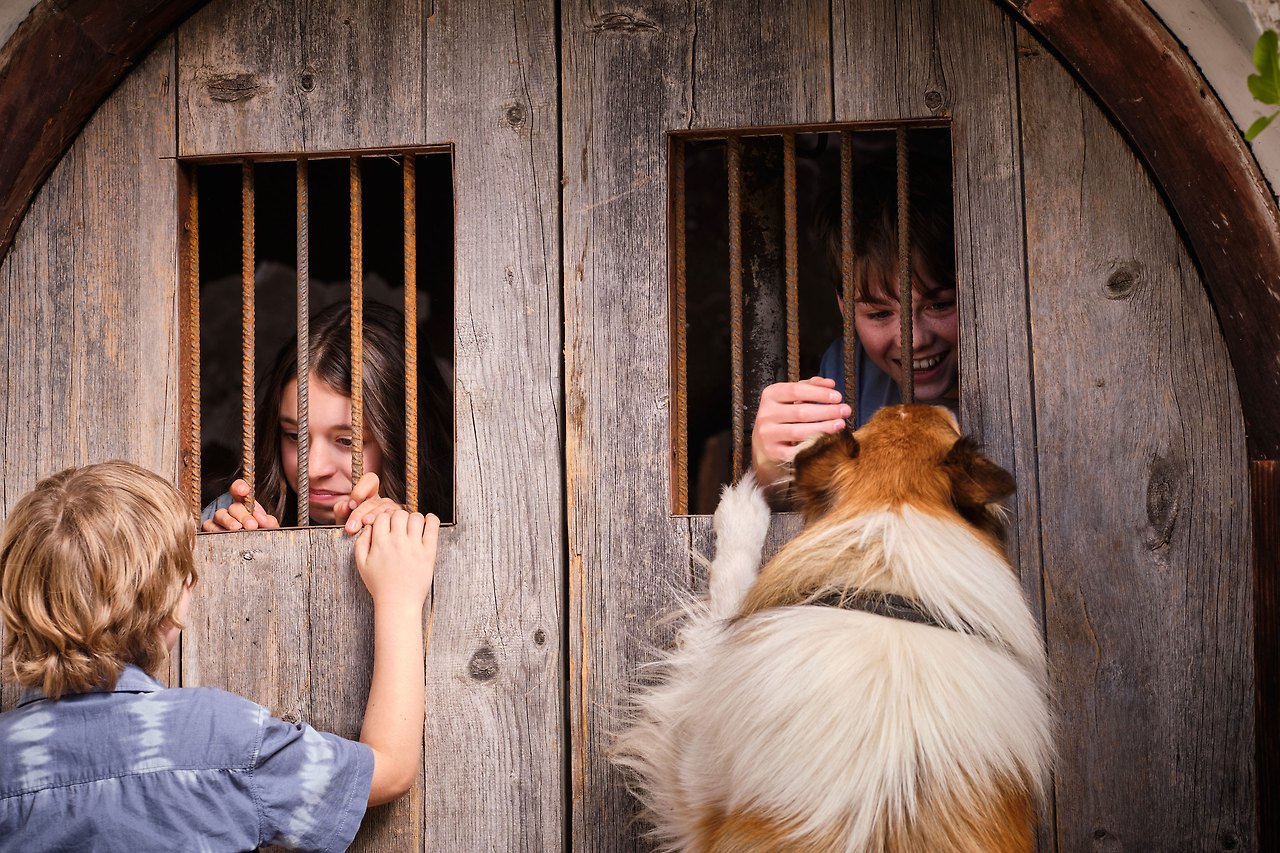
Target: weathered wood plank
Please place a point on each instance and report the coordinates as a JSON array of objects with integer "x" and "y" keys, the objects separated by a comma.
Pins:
[
  {"x": 307, "y": 76},
  {"x": 89, "y": 333},
  {"x": 1143, "y": 492},
  {"x": 495, "y": 681},
  {"x": 628, "y": 78},
  {"x": 487, "y": 83}
]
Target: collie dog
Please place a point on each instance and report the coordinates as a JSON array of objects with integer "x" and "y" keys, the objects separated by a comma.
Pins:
[{"x": 879, "y": 686}]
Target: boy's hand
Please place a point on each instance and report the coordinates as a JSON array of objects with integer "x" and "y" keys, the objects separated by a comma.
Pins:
[
  {"x": 363, "y": 505},
  {"x": 396, "y": 556},
  {"x": 237, "y": 517},
  {"x": 789, "y": 413}
]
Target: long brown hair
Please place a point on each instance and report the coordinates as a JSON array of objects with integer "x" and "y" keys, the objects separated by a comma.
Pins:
[{"x": 329, "y": 361}]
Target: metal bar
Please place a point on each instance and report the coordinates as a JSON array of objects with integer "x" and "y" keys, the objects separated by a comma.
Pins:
[
  {"x": 411, "y": 332},
  {"x": 736, "y": 303},
  {"x": 847, "y": 284},
  {"x": 304, "y": 344},
  {"x": 792, "y": 255},
  {"x": 680, "y": 329},
  {"x": 904, "y": 270},
  {"x": 192, "y": 321},
  {"x": 247, "y": 326},
  {"x": 357, "y": 324}
]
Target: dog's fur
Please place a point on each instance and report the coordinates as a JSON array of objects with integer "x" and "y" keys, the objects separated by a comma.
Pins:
[{"x": 778, "y": 725}]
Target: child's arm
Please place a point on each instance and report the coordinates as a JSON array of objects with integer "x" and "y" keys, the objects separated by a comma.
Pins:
[
  {"x": 789, "y": 413},
  {"x": 396, "y": 556}
]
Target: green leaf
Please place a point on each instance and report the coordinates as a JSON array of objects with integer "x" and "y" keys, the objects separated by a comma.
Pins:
[
  {"x": 1265, "y": 85},
  {"x": 1259, "y": 126}
]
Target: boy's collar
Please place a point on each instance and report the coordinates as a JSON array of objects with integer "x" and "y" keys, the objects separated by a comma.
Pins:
[{"x": 132, "y": 680}]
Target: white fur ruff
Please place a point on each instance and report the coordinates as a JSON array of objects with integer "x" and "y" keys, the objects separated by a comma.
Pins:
[{"x": 832, "y": 720}]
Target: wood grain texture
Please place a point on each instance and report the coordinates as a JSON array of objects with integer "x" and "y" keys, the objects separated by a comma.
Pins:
[
  {"x": 1159, "y": 98},
  {"x": 485, "y": 81},
  {"x": 89, "y": 333},
  {"x": 305, "y": 76},
  {"x": 1143, "y": 497},
  {"x": 629, "y": 75},
  {"x": 495, "y": 728}
]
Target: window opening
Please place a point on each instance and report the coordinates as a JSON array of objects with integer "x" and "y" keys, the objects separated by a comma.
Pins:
[
  {"x": 322, "y": 250},
  {"x": 772, "y": 231}
]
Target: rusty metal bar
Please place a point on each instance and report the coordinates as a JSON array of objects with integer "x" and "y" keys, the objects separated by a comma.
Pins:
[
  {"x": 304, "y": 344},
  {"x": 847, "y": 284},
  {"x": 357, "y": 323},
  {"x": 247, "y": 318},
  {"x": 411, "y": 332},
  {"x": 904, "y": 271},
  {"x": 792, "y": 255},
  {"x": 736, "y": 304},
  {"x": 680, "y": 329},
  {"x": 192, "y": 323}
]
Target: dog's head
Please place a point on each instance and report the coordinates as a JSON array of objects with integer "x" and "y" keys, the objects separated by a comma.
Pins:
[{"x": 904, "y": 455}]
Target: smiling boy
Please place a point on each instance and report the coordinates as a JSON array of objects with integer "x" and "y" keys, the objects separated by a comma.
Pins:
[{"x": 792, "y": 412}]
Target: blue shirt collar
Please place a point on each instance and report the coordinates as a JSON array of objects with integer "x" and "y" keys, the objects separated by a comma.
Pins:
[{"x": 132, "y": 680}]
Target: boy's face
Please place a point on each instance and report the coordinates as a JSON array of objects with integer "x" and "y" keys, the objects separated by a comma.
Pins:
[
  {"x": 329, "y": 451},
  {"x": 935, "y": 330}
]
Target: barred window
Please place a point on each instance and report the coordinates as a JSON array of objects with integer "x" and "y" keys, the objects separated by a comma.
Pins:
[
  {"x": 772, "y": 231},
  {"x": 317, "y": 326}
]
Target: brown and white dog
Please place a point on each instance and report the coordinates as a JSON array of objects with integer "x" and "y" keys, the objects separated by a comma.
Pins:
[{"x": 880, "y": 686}]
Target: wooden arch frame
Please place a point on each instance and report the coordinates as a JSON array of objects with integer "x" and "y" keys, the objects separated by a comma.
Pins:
[{"x": 68, "y": 55}]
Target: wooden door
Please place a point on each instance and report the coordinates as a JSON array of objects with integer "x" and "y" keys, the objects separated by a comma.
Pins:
[
  {"x": 1092, "y": 369},
  {"x": 91, "y": 334}
]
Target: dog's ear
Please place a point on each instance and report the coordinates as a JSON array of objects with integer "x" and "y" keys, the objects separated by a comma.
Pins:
[
  {"x": 976, "y": 482},
  {"x": 815, "y": 467}
]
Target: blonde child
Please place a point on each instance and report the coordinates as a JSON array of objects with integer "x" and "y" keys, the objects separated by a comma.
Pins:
[{"x": 95, "y": 577}]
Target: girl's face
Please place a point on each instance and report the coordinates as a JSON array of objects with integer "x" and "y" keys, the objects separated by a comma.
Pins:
[
  {"x": 329, "y": 454},
  {"x": 935, "y": 331}
]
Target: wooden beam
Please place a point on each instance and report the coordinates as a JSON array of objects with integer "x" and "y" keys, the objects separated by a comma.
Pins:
[
  {"x": 1197, "y": 156},
  {"x": 55, "y": 71},
  {"x": 1264, "y": 481}
]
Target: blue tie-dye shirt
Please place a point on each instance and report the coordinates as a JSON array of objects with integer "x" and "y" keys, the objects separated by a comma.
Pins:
[{"x": 142, "y": 767}]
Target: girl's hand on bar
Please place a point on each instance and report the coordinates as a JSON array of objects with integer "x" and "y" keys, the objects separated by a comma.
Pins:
[
  {"x": 790, "y": 413},
  {"x": 364, "y": 505},
  {"x": 238, "y": 517}
]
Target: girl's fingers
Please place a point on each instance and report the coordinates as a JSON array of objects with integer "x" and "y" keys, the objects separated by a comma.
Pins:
[
  {"x": 417, "y": 523},
  {"x": 225, "y": 521},
  {"x": 366, "y": 488}
]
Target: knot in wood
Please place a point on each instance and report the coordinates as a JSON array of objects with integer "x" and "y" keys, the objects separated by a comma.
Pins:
[
  {"x": 1164, "y": 499},
  {"x": 1125, "y": 280},
  {"x": 307, "y": 81},
  {"x": 933, "y": 99},
  {"x": 246, "y": 555},
  {"x": 483, "y": 665},
  {"x": 515, "y": 115},
  {"x": 231, "y": 88},
  {"x": 539, "y": 637},
  {"x": 622, "y": 22}
]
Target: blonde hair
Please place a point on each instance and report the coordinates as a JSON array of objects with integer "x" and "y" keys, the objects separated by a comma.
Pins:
[{"x": 93, "y": 562}]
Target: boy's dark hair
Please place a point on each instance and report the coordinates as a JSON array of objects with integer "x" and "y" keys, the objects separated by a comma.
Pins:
[
  {"x": 329, "y": 359},
  {"x": 875, "y": 215},
  {"x": 93, "y": 561}
]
